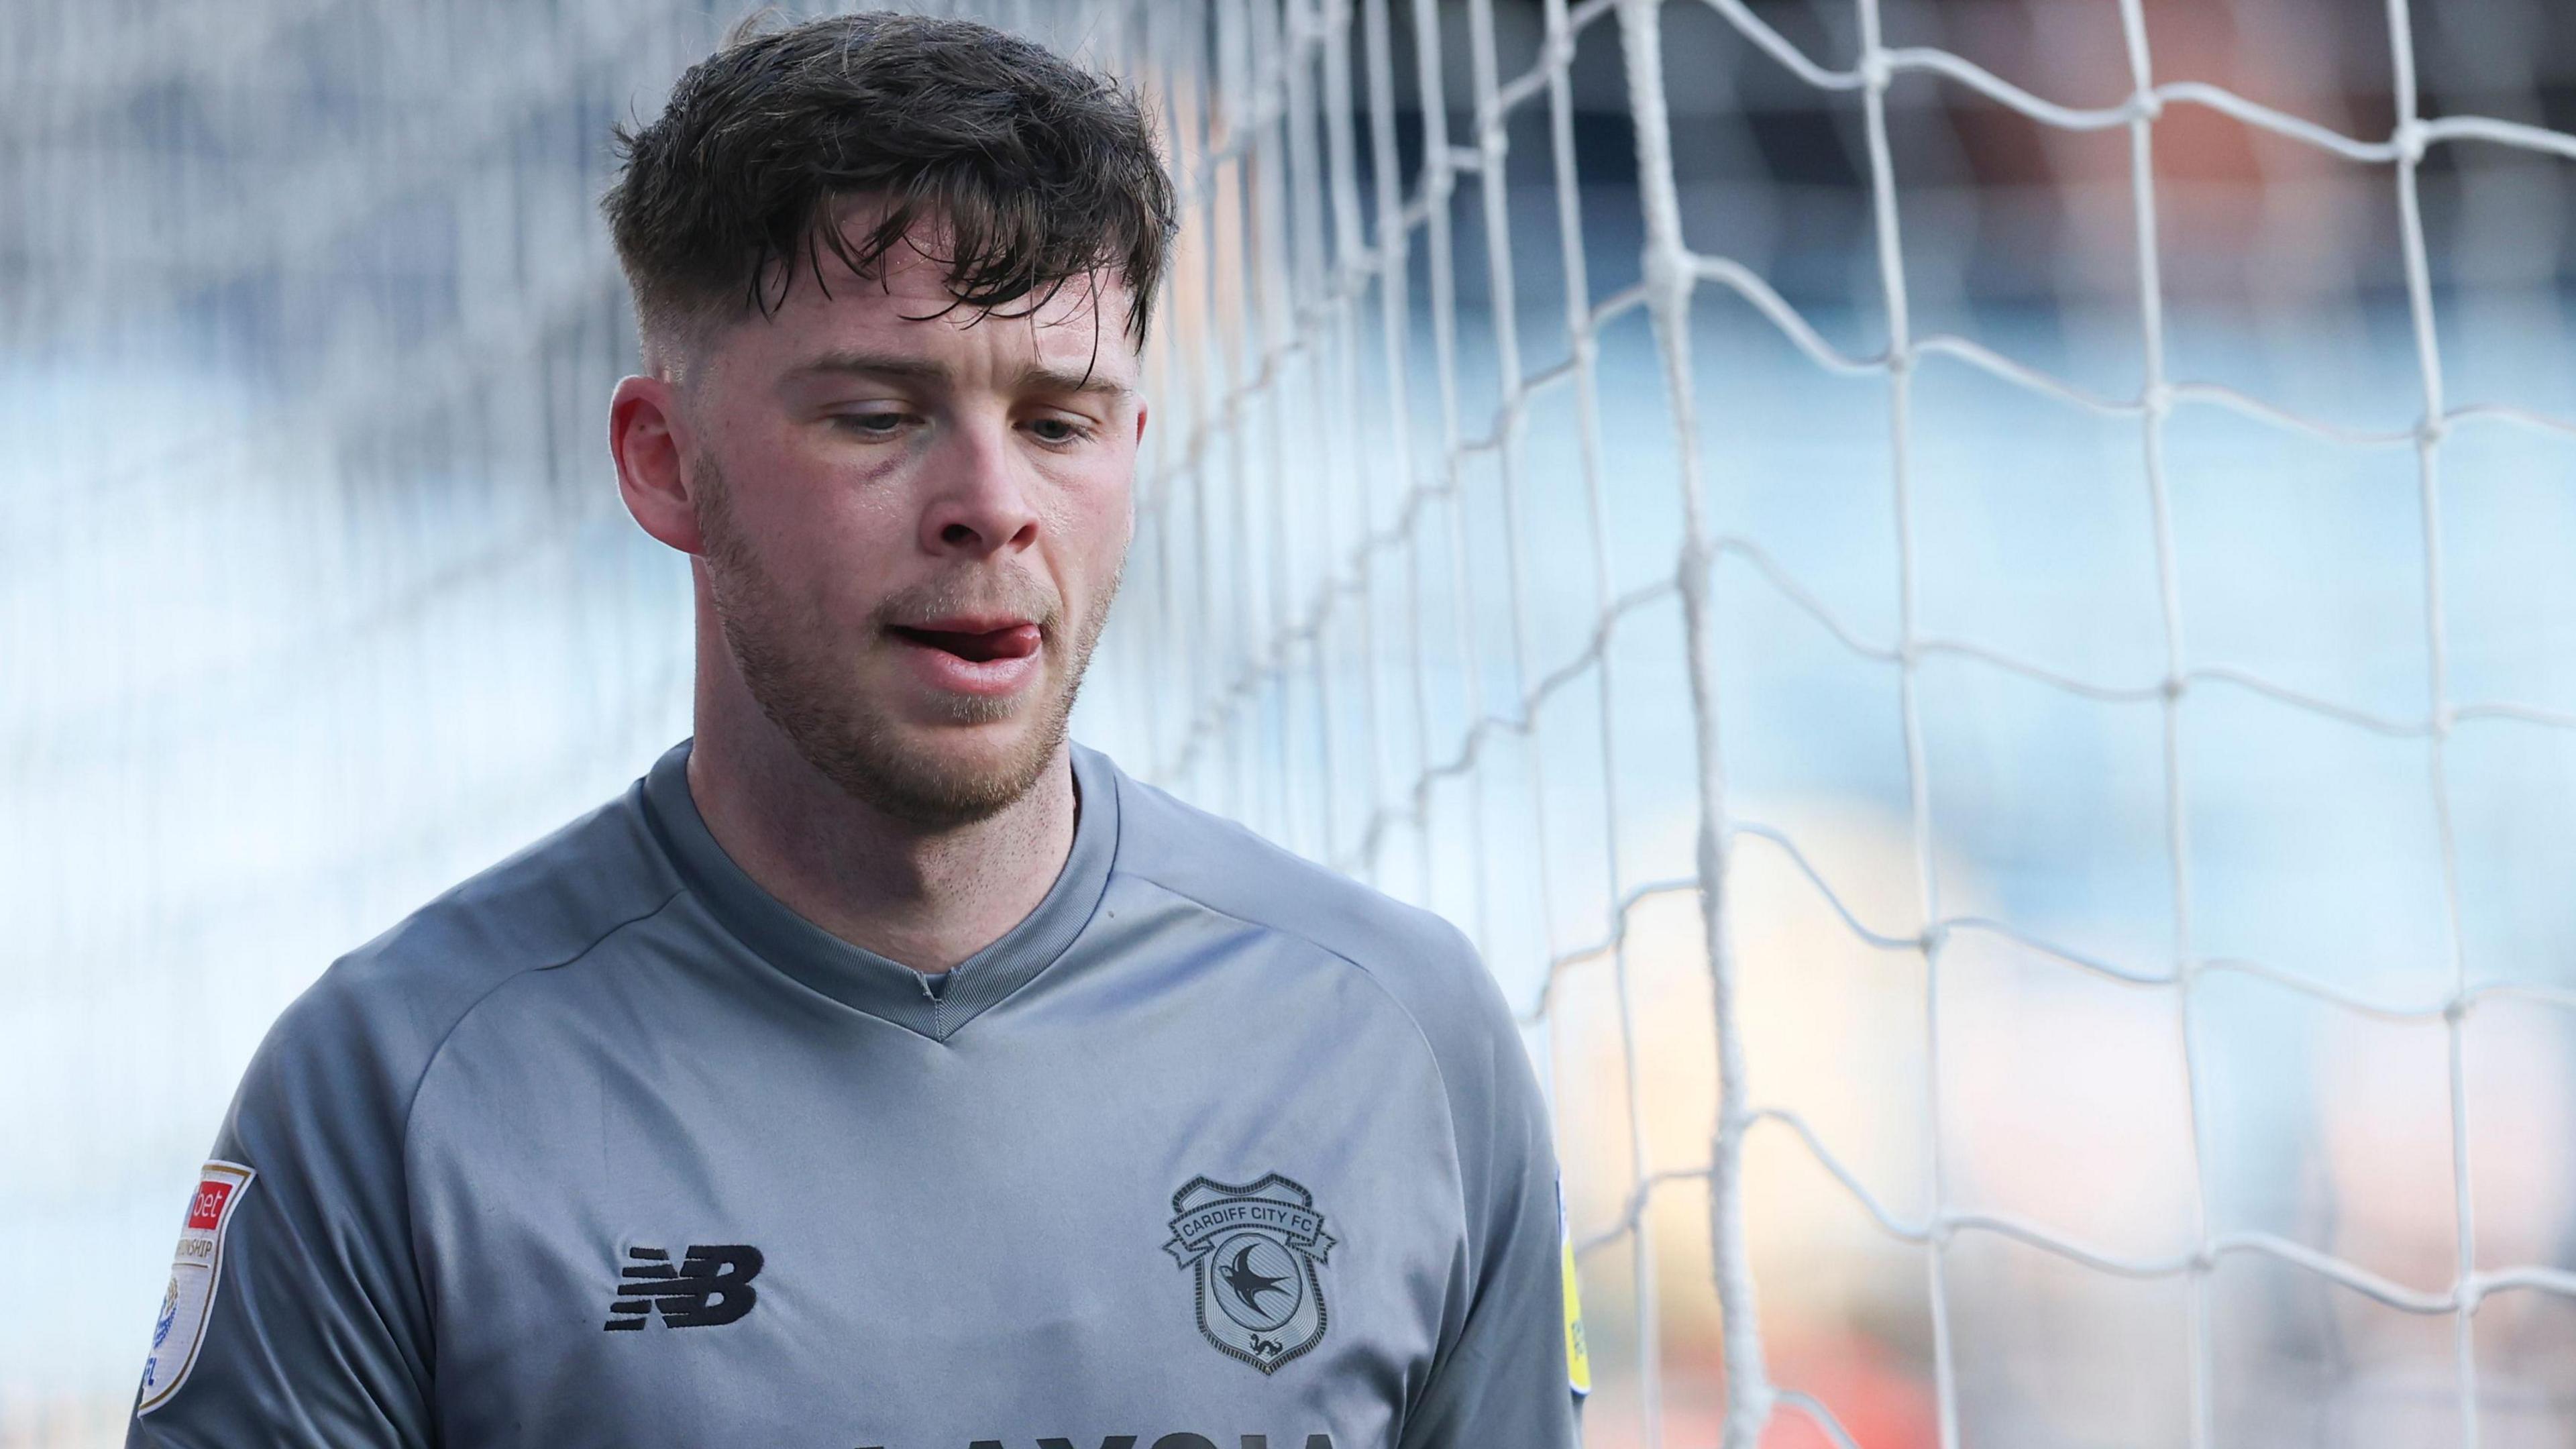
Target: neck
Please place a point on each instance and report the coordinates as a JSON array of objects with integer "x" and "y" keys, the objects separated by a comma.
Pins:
[{"x": 928, "y": 898}]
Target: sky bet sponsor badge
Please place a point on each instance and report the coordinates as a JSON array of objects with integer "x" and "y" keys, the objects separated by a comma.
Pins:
[{"x": 195, "y": 1272}]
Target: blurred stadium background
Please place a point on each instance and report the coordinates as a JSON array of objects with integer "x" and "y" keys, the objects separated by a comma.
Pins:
[{"x": 2133, "y": 626}]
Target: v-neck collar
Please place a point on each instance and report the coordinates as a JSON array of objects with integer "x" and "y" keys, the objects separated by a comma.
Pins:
[{"x": 933, "y": 1005}]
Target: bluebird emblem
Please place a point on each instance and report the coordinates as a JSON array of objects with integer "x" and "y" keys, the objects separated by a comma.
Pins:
[{"x": 1252, "y": 1252}]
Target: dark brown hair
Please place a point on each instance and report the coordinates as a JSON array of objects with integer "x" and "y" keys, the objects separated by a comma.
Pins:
[{"x": 1033, "y": 170}]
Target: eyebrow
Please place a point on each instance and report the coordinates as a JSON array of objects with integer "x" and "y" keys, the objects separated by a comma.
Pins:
[{"x": 1037, "y": 377}]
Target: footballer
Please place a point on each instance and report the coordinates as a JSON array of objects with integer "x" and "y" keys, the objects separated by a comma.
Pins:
[{"x": 885, "y": 1068}]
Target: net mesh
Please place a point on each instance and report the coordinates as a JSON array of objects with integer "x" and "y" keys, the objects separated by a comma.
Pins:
[
  {"x": 1269, "y": 610},
  {"x": 1535, "y": 392}
]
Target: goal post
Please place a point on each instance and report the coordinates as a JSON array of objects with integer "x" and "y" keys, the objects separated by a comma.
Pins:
[{"x": 1407, "y": 564}]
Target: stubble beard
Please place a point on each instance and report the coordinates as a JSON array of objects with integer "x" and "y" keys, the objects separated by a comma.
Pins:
[{"x": 798, "y": 670}]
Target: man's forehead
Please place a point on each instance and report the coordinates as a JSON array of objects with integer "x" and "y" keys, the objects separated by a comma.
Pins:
[
  {"x": 1031, "y": 374},
  {"x": 832, "y": 316}
]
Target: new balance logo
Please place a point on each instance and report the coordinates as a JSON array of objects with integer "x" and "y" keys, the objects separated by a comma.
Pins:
[{"x": 711, "y": 1286}]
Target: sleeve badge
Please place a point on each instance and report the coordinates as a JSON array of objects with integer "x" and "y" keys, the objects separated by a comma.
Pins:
[
  {"x": 1578, "y": 1354},
  {"x": 196, "y": 1270}
]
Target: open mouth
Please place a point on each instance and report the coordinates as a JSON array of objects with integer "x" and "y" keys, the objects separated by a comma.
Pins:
[{"x": 1015, "y": 642}]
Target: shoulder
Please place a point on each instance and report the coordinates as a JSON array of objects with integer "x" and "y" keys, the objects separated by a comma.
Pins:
[
  {"x": 378, "y": 1015},
  {"x": 1427, "y": 965}
]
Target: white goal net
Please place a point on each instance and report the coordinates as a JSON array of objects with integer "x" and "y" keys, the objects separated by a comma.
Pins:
[{"x": 1969, "y": 599}]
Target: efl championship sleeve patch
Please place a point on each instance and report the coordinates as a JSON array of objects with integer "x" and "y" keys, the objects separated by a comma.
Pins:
[
  {"x": 195, "y": 1272},
  {"x": 1578, "y": 1355}
]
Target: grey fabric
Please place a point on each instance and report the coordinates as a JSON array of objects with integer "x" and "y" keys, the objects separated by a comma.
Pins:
[
  {"x": 935, "y": 1006},
  {"x": 608, "y": 1146}
]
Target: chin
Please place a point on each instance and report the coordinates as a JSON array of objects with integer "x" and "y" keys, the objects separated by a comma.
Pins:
[
  {"x": 935, "y": 774},
  {"x": 947, "y": 787},
  {"x": 932, "y": 758},
  {"x": 973, "y": 756}
]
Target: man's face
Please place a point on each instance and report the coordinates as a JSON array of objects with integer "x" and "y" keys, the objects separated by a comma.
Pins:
[{"x": 914, "y": 519}]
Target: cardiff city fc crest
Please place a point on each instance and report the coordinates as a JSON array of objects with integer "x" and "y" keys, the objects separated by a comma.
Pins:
[{"x": 1252, "y": 1253}]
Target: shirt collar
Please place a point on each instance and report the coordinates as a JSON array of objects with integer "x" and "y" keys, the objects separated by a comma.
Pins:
[{"x": 857, "y": 977}]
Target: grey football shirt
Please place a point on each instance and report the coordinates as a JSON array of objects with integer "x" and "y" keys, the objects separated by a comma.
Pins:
[{"x": 607, "y": 1146}]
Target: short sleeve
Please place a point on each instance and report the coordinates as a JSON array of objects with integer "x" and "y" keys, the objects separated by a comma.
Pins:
[
  {"x": 1508, "y": 1375},
  {"x": 295, "y": 1316}
]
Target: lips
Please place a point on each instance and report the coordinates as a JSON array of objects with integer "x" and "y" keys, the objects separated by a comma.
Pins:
[
  {"x": 993, "y": 656},
  {"x": 976, "y": 640}
]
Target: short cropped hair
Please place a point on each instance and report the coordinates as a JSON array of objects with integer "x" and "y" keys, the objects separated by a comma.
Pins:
[{"x": 1031, "y": 171}]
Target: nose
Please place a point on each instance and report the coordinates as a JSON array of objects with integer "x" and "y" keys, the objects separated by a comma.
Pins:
[{"x": 979, "y": 503}]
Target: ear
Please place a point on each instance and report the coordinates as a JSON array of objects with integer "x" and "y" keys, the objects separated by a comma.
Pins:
[
  {"x": 1140, "y": 420},
  {"x": 647, "y": 435}
]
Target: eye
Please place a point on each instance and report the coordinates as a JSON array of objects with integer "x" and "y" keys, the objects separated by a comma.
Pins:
[
  {"x": 871, "y": 425},
  {"x": 1058, "y": 430}
]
